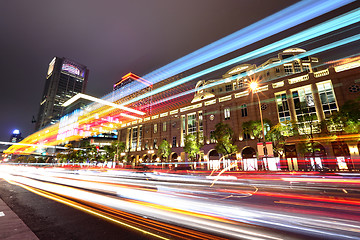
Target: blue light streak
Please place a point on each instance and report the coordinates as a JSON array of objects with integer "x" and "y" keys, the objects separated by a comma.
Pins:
[
  {"x": 290, "y": 59},
  {"x": 280, "y": 21},
  {"x": 316, "y": 31}
]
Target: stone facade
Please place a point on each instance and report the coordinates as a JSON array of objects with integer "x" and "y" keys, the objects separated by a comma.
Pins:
[{"x": 283, "y": 81}]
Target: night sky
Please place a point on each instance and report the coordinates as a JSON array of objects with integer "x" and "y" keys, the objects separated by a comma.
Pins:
[{"x": 110, "y": 37}]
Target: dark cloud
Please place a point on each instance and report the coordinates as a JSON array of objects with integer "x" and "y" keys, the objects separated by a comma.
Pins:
[{"x": 111, "y": 37}]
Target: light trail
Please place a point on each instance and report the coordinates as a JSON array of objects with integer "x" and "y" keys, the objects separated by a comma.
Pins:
[
  {"x": 188, "y": 201},
  {"x": 278, "y": 22},
  {"x": 98, "y": 100},
  {"x": 82, "y": 208},
  {"x": 32, "y": 145},
  {"x": 316, "y": 31},
  {"x": 313, "y": 8}
]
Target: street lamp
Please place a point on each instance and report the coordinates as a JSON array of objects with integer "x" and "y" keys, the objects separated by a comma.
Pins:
[{"x": 253, "y": 87}]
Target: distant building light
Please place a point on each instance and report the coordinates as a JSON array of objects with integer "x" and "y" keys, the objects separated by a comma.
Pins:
[{"x": 16, "y": 131}]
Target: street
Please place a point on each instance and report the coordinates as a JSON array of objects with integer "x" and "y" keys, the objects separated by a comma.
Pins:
[
  {"x": 52, "y": 220},
  {"x": 183, "y": 206}
]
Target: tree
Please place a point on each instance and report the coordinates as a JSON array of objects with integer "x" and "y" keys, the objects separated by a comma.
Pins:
[
  {"x": 94, "y": 153},
  {"x": 31, "y": 159},
  {"x": 308, "y": 125},
  {"x": 279, "y": 135},
  {"x": 112, "y": 151},
  {"x": 164, "y": 149},
  {"x": 192, "y": 145},
  {"x": 347, "y": 119},
  {"x": 120, "y": 148},
  {"x": 254, "y": 128},
  {"x": 21, "y": 159},
  {"x": 223, "y": 136},
  {"x": 61, "y": 157},
  {"x": 71, "y": 152}
]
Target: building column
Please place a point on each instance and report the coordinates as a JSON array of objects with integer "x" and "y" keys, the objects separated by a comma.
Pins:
[
  {"x": 317, "y": 102},
  {"x": 291, "y": 105},
  {"x": 354, "y": 153}
]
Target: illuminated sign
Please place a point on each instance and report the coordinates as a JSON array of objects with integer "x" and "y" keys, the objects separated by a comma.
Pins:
[
  {"x": 69, "y": 125},
  {"x": 71, "y": 69},
  {"x": 51, "y": 66}
]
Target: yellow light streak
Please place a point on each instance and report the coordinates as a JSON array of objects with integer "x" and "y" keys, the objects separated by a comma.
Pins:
[
  {"x": 98, "y": 100},
  {"x": 69, "y": 203}
]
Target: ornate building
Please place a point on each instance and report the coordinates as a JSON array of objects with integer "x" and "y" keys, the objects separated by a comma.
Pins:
[{"x": 285, "y": 83}]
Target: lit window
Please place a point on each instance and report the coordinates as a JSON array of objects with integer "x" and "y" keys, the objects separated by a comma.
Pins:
[
  {"x": 227, "y": 113},
  {"x": 246, "y": 136},
  {"x": 129, "y": 139},
  {"x": 297, "y": 67},
  {"x": 228, "y": 88},
  {"x": 283, "y": 107},
  {"x": 243, "y": 110},
  {"x": 155, "y": 144},
  {"x": 134, "y": 138},
  {"x": 155, "y": 128},
  {"x": 183, "y": 127},
  {"x": 327, "y": 97},
  {"x": 304, "y": 104},
  {"x": 164, "y": 126},
  {"x": 306, "y": 68},
  {"x": 240, "y": 83},
  {"x": 140, "y": 136},
  {"x": 201, "y": 128},
  {"x": 191, "y": 123},
  {"x": 288, "y": 69},
  {"x": 174, "y": 141}
]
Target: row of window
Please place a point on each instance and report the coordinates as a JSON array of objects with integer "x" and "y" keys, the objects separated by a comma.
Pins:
[
  {"x": 289, "y": 69},
  {"x": 304, "y": 102},
  {"x": 243, "y": 109},
  {"x": 302, "y": 97}
]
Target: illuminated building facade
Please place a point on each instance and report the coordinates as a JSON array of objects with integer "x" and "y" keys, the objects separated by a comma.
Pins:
[
  {"x": 285, "y": 83},
  {"x": 64, "y": 79}
]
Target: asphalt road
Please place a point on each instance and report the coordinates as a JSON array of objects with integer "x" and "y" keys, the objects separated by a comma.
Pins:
[
  {"x": 50, "y": 220},
  {"x": 176, "y": 206}
]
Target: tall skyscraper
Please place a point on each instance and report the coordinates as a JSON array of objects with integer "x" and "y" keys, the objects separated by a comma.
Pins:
[
  {"x": 64, "y": 79},
  {"x": 16, "y": 136}
]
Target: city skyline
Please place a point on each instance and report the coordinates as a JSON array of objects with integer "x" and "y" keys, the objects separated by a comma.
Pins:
[
  {"x": 80, "y": 43},
  {"x": 163, "y": 119}
]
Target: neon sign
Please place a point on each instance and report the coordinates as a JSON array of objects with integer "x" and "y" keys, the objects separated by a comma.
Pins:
[
  {"x": 69, "y": 125},
  {"x": 70, "y": 69}
]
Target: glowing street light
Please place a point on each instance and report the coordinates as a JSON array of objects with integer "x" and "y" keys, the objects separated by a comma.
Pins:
[{"x": 253, "y": 86}]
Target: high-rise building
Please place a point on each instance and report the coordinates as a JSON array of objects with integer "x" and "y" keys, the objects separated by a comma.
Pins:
[
  {"x": 64, "y": 79},
  {"x": 16, "y": 136}
]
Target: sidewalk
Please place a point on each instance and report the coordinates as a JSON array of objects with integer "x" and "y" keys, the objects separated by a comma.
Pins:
[{"x": 12, "y": 227}]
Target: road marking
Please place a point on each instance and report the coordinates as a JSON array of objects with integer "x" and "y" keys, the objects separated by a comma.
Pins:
[{"x": 2, "y": 214}]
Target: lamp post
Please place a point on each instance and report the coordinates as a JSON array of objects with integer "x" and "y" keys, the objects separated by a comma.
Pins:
[{"x": 253, "y": 87}]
